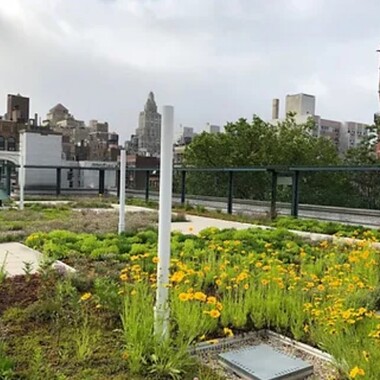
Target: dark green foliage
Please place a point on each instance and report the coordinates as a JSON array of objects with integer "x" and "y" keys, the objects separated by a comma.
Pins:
[
  {"x": 6, "y": 364},
  {"x": 257, "y": 143}
]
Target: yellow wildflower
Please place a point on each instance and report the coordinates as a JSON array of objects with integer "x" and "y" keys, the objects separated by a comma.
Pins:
[
  {"x": 228, "y": 332},
  {"x": 199, "y": 296},
  {"x": 86, "y": 296},
  {"x": 213, "y": 313},
  {"x": 184, "y": 297},
  {"x": 356, "y": 371}
]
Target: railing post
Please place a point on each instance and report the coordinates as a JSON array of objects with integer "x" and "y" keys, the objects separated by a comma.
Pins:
[
  {"x": 118, "y": 182},
  {"x": 101, "y": 181},
  {"x": 58, "y": 182},
  {"x": 273, "y": 196},
  {"x": 147, "y": 176},
  {"x": 183, "y": 187},
  {"x": 295, "y": 193},
  {"x": 230, "y": 191},
  {"x": 121, "y": 226},
  {"x": 8, "y": 172}
]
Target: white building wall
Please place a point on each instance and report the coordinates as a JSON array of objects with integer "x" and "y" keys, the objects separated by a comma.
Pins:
[
  {"x": 301, "y": 104},
  {"x": 46, "y": 150},
  {"x": 355, "y": 133},
  {"x": 41, "y": 149},
  {"x": 89, "y": 179}
]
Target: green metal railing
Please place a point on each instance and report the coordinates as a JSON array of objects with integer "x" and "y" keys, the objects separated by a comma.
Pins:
[{"x": 273, "y": 173}]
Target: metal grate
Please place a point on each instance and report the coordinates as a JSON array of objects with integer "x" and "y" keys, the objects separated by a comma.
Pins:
[{"x": 263, "y": 362}]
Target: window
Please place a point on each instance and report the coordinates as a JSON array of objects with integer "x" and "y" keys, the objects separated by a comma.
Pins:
[
  {"x": 11, "y": 144},
  {"x": 2, "y": 143}
]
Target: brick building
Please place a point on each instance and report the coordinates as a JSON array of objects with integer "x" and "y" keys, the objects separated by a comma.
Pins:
[
  {"x": 136, "y": 179},
  {"x": 9, "y": 134}
]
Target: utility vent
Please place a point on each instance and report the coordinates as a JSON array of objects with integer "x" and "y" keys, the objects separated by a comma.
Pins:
[{"x": 263, "y": 362}]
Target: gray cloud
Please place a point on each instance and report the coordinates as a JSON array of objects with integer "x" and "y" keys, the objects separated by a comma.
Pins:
[{"x": 214, "y": 60}]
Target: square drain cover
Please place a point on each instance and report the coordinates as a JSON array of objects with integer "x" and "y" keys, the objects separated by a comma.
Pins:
[{"x": 263, "y": 362}]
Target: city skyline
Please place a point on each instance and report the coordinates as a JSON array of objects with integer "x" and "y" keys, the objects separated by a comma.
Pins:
[{"x": 227, "y": 59}]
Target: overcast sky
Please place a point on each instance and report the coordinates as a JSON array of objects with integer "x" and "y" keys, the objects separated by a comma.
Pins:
[{"x": 214, "y": 60}]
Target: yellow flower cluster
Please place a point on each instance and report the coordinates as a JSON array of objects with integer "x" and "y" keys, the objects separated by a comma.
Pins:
[
  {"x": 202, "y": 297},
  {"x": 320, "y": 284}
]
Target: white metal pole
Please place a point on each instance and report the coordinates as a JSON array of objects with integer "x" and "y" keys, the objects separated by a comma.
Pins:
[
  {"x": 21, "y": 178},
  {"x": 161, "y": 325},
  {"x": 122, "y": 191}
]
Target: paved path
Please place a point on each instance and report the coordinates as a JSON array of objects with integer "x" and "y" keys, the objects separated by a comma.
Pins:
[
  {"x": 196, "y": 224},
  {"x": 16, "y": 257},
  {"x": 368, "y": 218}
]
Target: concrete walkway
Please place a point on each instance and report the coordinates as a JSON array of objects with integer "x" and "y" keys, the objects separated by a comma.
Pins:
[
  {"x": 17, "y": 259},
  {"x": 195, "y": 224}
]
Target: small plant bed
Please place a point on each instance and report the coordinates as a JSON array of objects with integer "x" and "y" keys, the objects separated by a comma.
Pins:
[
  {"x": 81, "y": 204},
  {"x": 73, "y": 198},
  {"x": 290, "y": 223},
  {"x": 99, "y": 321},
  {"x": 329, "y": 228},
  {"x": 16, "y": 225}
]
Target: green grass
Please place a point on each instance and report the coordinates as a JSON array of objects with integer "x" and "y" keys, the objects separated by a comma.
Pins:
[{"x": 16, "y": 225}]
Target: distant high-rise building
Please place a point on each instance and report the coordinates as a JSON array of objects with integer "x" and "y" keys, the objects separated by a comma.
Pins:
[
  {"x": 211, "y": 128},
  {"x": 344, "y": 135},
  {"x": 56, "y": 114},
  {"x": 132, "y": 145},
  {"x": 149, "y": 129},
  {"x": 97, "y": 126},
  {"x": 300, "y": 104},
  {"x": 185, "y": 135},
  {"x": 80, "y": 142},
  {"x": 17, "y": 108}
]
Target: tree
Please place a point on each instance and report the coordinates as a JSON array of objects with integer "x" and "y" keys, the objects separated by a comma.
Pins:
[
  {"x": 257, "y": 143},
  {"x": 366, "y": 185}
]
